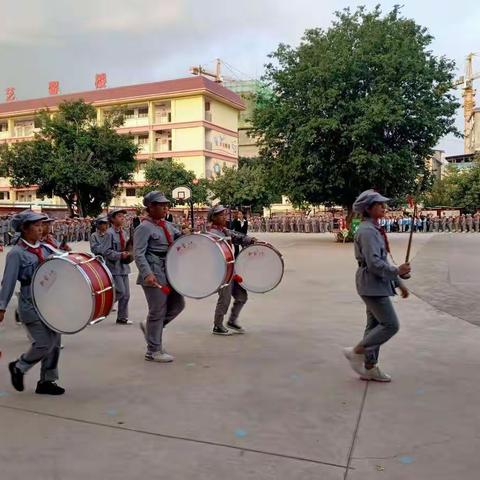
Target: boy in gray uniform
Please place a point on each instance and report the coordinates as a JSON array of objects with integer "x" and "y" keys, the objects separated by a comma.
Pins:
[
  {"x": 21, "y": 262},
  {"x": 97, "y": 238},
  {"x": 376, "y": 280},
  {"x": 114, "y": 251},
  {"x": 218, "y": 219},
  {"x": 152, "y": 239}
]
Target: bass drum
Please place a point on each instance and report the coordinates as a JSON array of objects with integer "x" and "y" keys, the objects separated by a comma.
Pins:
[
  {"x": 198, "y": 265},
  {"x": 71, "y": 291},
  {"x": 259, "y": 268}
]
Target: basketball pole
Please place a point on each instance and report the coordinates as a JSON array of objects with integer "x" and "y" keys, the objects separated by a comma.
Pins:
[{"x": 191, "y": 214}]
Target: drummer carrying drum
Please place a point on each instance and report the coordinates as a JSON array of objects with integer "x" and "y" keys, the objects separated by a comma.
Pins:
[
  {"x": 114, "y": 251},
  {"x": 217, "y": 217},
  {"x": 21, "y": 263},
  {"x": 152, "y": 239}
]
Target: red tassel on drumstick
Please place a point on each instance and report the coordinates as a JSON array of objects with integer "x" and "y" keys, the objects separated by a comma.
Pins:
[{"x": 164, "y": 288}]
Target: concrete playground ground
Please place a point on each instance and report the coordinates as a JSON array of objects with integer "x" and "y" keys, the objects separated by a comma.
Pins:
[{"x": 279, "y": 402}]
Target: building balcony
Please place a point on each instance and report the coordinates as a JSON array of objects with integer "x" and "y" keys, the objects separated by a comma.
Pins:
[
  {"x": 4, "y": 135},
  {"x": 135, "y": 122},
  {"x": 208, "y": 116},
  {"x": 208, "y": 145},
  {"x": 164, "y": 117},
  {"x": 163, "y": 145}
]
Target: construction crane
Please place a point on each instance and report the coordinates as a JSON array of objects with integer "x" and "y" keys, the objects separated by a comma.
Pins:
[
  {"x": 468, "y": 102},
  {"x": 217, "y": 76}
]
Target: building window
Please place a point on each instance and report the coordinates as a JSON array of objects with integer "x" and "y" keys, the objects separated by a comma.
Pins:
[
  {"x": 3, "y": 127},
  {"x": 143, "y": 112},
  {"x": 207, "y": 106},
  {"x": 4, "y": 195},
  {"x": 130, "y": 192}
]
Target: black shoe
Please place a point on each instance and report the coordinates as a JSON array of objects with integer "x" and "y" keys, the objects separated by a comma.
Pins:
[
  {"x": 49, "y": 388},
  {"x": 124, "y": 322},
  {"x": 17, "y": 377},
  {"x": 221, "y": 331},
  {"x": 235, "y": 327}
]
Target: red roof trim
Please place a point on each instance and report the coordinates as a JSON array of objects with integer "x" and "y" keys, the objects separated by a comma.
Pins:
[{"x": 127, "y": 93}]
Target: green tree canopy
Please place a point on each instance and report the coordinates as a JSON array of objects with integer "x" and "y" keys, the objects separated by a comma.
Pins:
[
  {"x": 73, "y": 157},
  {"x": 165, "y": 175},
  {"x": 458, "y": 188},
  {"x": 360, "y": 105},
  {"x": 250, "y": 184}
]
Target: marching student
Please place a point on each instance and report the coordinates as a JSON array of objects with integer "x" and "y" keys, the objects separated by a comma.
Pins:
[{"x": 21, "y": 263}]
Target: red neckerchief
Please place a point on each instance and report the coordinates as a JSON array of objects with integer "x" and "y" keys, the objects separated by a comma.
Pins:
[
  {"x": 122, "y": 239},
  {"x": 383, "y": 233},
  {"x": 162, "y": 224},
  {"x": 35, "y": 250}
]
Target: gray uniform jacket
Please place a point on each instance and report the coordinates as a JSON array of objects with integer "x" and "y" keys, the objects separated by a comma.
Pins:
[
  {"x": 96, "y": 241},
  {"x": 375, "y": 276},
  {"x": 19, "y": 266},
  {"x": 150, "y": 247},
  {"x": 112, "y": 252}
]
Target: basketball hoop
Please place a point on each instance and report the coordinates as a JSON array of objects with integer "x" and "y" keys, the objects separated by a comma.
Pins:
[{"x": 181, "y": 193}]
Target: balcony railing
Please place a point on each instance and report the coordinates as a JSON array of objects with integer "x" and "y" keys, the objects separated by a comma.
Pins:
[
  {"x": 4, "y": 135},
  {"x": 208, "y": 145},
  {"x": 208, "y": 116},
  {"x": 135, "y": 121},
  {"x": 143, "y": 148},
  {"x": 163, "y": 145},
  {"x": 165, "y": 117}
]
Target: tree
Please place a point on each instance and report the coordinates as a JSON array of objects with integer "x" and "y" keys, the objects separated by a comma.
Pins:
[
  {"x": 165, "y": 175},
  {"x": 250, "y": 184},
  {"x": 458, "y": 188},
  {"x": 73, "y": 157},
  {"x": 360, "y": 105}
]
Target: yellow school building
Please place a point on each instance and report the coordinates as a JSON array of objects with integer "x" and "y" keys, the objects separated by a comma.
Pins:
[{"x": 191, "y": 120}]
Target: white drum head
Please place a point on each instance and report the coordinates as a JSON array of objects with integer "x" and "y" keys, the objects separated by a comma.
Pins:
[
  {"x": 196, "y": 267},
  {"x": 261, "y": 268},
  {"x": 62, "y": 296}
]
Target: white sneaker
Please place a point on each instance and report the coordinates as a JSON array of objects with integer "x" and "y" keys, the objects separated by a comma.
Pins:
[
  {"x": 376, "y": 375},
  {"x": 356, "y": 360},
  {"x": 159, "y": 357}
]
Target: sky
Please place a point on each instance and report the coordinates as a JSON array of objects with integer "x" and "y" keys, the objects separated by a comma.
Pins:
[{"x": 139, "y": 41}]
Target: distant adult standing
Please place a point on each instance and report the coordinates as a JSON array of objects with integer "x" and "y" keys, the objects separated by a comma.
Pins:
[
  {"x": 376, "y": 280},
  {"x": 238, "y": 224}
]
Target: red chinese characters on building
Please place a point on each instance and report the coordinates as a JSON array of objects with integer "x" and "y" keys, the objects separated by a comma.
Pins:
[
  {"x": 100, "y": 80},
  {"x": 10, "y": 94},
  {"x": 53, "y": 88}
]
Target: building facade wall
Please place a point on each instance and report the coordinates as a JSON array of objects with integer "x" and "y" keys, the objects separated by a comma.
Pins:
[{"x": 181, "y": 128}]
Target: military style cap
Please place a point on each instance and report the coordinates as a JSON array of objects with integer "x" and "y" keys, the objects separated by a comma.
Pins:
[
  {"x": 154, "y": 197},
  {"x": 214, "y": 210},
  {"x": 101, "y": 219},
  {"x": 113, "y": 212},
  {"x": 367, "y": 198},
  {"x": 26, "y": 216}
]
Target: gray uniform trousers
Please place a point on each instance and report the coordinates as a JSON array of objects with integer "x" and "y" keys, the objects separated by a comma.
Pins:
[
  {"x": 382, "y": 324},
  {"x": 122, "y": 289},
  {"x": 45, "y": 348},
  {"x": 224, "y": 298},
  {"x": 162, "y": 309}
]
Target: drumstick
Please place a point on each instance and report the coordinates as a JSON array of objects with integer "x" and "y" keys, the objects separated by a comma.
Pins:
[{"x": 410, "y": 238}]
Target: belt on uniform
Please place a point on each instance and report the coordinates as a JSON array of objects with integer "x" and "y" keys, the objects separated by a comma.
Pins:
[{"x": 158, "y": 254}]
